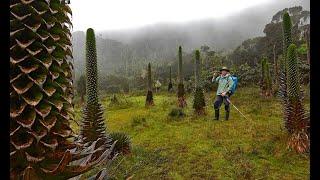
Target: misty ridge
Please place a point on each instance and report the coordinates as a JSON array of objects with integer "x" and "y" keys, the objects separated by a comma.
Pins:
[{"x": 158, "y": 43}]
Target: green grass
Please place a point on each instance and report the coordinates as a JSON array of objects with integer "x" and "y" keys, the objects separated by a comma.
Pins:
[{"x": 192, "y": 147}]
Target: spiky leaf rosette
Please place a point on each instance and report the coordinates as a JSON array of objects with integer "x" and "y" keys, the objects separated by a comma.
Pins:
[
  {"x": 41, "y": 94},
  {"x": 122, "y": 142},
  {"x": 297, "y": 123},
  {"x": 181, "y": 91},
  {"x": 198, "y": 101},
  {"x": 149, "y": 97},
  {"x": 92, "y": 126},
  {"x": 286, "y": 29}
]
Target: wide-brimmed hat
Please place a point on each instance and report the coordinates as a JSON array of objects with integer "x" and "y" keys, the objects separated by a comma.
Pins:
[{"x": 224, "y": 68}]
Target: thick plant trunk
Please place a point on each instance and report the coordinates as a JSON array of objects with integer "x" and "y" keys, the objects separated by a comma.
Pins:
[
  {"x": 181, "y": 91},
  {"x": 149, "y": 99}
]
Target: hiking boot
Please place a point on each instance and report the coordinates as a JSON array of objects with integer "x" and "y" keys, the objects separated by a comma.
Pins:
[
  {"x": 227, "y": 115},
  {"x": 216, "y": 114}
]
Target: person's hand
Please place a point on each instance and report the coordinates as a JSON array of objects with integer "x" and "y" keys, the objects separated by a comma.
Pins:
[
  {"x": 215, "y": 74},
  {"x": 223, "y": 93}
]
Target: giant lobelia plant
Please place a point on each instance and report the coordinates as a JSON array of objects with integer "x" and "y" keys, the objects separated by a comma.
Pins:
[
  {"x": 287, "y": 40},
  {"x": 41, "y": 93},
  {"x": 92, "y": 125},
  {"x": 149, "y": 97},
  {"x": 198, "y": 101},
  {"x": 181, "y": 91},
  {"x": 298, "y": 123}
]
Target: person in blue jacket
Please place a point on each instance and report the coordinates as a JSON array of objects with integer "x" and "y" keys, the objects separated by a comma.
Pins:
[{"x": 225, "y": 84}]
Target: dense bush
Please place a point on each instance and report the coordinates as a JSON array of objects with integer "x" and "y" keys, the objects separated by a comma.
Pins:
[
  {"x": 176, "y": 112},
  {"x": 246, "y": 74}
]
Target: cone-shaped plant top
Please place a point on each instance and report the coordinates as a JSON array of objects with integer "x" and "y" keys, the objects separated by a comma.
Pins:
[
  {"x": 286, "y": 28},
  {"x": 93, "y": 125},
  {"x": 91, "y": 68},
  {"x": 293, "y": 84}
]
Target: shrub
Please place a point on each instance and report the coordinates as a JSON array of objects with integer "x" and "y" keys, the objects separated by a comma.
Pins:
[
  {"x": 123, "y": 144},
  {"x": 176, "y": 112}
]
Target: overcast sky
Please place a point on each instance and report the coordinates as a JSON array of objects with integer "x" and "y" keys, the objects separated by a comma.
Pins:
[{"x": 126, "y": 14}]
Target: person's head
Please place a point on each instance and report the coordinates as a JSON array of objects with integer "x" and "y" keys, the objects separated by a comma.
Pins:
[{"x": 224, "y": 71}]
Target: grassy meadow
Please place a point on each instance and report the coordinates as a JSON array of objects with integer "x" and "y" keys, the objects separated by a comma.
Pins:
[{"x": 190, "y": 147}]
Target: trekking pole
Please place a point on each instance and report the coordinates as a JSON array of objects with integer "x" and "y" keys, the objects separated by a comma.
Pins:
[{"x": 237, "y": 109}]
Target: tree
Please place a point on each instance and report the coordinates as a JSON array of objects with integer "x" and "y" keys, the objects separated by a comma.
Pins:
[
  {"x": 92, "y": 125},
  {"x": 41, "y": 95},
  {"x": 170, "y": 86},
  {"x": 181, "y": 92},
  {"x": 81, "y": 87},
  {"x": 198, "y": 101},
  {"x": 149, "y": 97},
  {"x": 298, "y": 123}
]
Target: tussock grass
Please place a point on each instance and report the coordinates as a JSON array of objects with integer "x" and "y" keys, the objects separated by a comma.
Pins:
[{"x": 201, "y": 148}]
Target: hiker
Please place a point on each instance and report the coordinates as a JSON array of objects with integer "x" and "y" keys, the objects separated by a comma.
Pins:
[
  {"x": 157, "y": 85},
  {"x": 225, "y": 84}
]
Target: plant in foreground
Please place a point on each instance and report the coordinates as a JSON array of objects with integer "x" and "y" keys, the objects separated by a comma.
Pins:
[
  {"x": 298, "y": 123},
  {"x": 41, "y": 95},
  {"x": 92, "y": 125},
  {"x": 122, "y": 142}
]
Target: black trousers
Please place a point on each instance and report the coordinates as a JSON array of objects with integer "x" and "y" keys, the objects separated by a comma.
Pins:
[{"x": 218, "y": 101}]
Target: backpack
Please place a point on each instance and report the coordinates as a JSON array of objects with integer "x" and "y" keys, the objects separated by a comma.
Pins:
[{"x": 235, "y": 84}]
